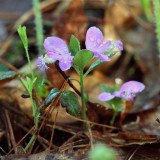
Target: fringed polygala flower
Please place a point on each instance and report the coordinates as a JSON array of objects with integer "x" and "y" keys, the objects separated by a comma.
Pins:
[
  {"x": 41, "y": 63},
  {"x": 56, "y": 50},
  {"x": 94, "y": 42},
  {"x": 128, "y": 91}
]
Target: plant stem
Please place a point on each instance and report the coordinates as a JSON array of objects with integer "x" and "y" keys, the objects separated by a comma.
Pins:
[
  {"x": 157, "y": 21},
  {"x": 39, "y": 28},
  {"x": 30, "y": 66},
  {"x": 113, "y": 118},
  {"x": 30, "y": 142},
  {"x": 114, "y": 114},
  {"x": 33, "y": 106},
  {"x": 83, "y": 101}
]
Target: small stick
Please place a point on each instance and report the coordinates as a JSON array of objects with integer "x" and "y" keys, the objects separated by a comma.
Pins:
[
  {"x": 6, "y": 126},
  {"x": 50, "y": 144},
  {"x": 67, "y": 78},
  {"x": 90, "y": 122},
  {"x": 10, "y": 130},
  {"x": 90, "y": 135},
  {"x": 72, "y": 138},
  {"x": 8, "y": 65},
  {"x": 70, "y": 83},
  {"x": 21, "y": 140}
]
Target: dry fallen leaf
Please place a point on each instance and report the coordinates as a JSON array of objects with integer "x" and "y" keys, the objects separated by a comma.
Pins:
[{"x": 72, "y": 22}]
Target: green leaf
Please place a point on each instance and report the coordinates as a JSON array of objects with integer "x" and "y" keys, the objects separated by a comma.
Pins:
[
  {"x": 106, "y": 88},
  {"x": 94, "y": 65},
  {"x": 77, "y": 69},
  {"x": 82, "y": 58},
  {"x": 74, "y": 80},
  {"x": 31, "y": 84},
  {"x": 41, "y": 86},
  {"x": 120, "y": 109},
  {"x": 24, "y": 82},
  {"x": 116, "y": 101},
  {"x": 28, "y": 83},
  {"x": 98, "y": 63},
  {"x": 116, "y": 87},
  {"x": 92, "y": 124},
  {"x": 43, "y": 91},
  {"x": 146, "y": 5},
  {"x": 8, "y": 74},
  {"x": 53, "y": 93},
  {"x": 22, "y": 33},
  {"x": 102, "y": 152},
  {"x": 110, "y": 54},
  {"x": 74, "y": 45},
  {"x": 86, "y": 97},
  {"x": 70, "y": 100},
  {"x": 3, "y": 68}
]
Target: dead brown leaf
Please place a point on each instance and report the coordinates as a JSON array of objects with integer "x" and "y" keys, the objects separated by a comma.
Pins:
[{"x": 72, "y": 22}]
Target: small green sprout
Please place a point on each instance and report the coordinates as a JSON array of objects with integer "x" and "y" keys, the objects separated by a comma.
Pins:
[{"x": 102, "y": 152}]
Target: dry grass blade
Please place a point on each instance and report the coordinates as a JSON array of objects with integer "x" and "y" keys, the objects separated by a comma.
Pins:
[{"x": 10, "y": 130}]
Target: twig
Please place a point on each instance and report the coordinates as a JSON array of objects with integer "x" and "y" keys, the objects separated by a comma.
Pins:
[
  {"x": 21, "y": 140},
  {"x": 56, "y": 115},
  {"x": 90, "y": 135},
  {"x": 6, "y": 126},
  {"x": 42, "y": 140},
  {"x": 53, "y": 128},
  {"x": 70, "y": 83},
  {"x": 8, "y": 65},
  {"x": 72, "y": 138},
  {"x": 67, "y": 78},
  {"x": 10, "y": 130},
  {"x": 90, "y": 122},
  {"x": 30, "y": 132},
  {"x": 132, "y": 153}
]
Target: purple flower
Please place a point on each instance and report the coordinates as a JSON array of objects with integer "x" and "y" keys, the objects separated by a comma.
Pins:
[
  {"x": 57, "y": 49},
  {"x": 106, "y": 96},
  {"x": 94, "y": 38},
  {"x": 65, "y": 62},
  {"x": 128, "y": 91},
  {"x": 41, "y": 63},
  {"x": 118, "y": 44}
]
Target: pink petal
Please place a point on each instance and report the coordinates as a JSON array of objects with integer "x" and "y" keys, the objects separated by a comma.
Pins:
[
  {"x": 66, "y": 62},
  {"x": 118, "y": 44},
  {"x": 56, "y": 45},
  {"x": 124, "y": 95},
  {"x": 103, "y": 47},
  {"x": 132, "y": 87},
  {"x": 94, "y": 38},
  {"x": 129, "y": 89},
  {"x": 102, "y": 57},
  {"x": 117, "y": 94},
  {"x": 105, "y": 96},
  {"x": 55, "y": 56}
]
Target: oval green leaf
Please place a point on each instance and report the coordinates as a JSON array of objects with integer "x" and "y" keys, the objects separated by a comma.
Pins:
[
  {"x": 74, "y": 45},
  {"x": 69, "y": 100},
  {"x": 8, "y": 74},
  {"x": 53, "y": 93},
  {"x": 82, "y": 58}
]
